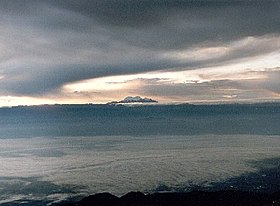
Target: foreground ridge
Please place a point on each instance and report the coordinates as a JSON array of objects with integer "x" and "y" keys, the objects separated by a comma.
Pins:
[{"x": 195, "y": 198}]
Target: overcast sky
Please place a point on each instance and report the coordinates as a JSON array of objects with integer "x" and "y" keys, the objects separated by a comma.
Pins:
[{"x": 69, "y": 51}]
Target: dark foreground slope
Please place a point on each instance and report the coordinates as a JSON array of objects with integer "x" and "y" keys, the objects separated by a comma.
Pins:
[{"x": 195, "y": 198}]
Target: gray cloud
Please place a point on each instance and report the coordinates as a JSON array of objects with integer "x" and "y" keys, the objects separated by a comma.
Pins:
[
  {"x": 172, "y": 24},
  {"x": 46, "y": 44},
  {"x": 216, "y": 90}
]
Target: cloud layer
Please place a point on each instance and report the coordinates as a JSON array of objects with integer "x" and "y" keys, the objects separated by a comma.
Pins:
[{"x": 45, "y": 45}]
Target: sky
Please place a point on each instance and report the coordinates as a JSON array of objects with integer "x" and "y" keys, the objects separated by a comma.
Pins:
[{"x": 93, "y": 51}]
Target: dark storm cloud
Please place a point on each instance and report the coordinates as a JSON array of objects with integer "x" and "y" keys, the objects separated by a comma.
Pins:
[
  {"x": 46, "y": 44},
  {"x": 171, "y": 24}
]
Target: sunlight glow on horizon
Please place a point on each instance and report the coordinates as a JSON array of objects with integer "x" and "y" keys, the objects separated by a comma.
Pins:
[
  {"x": 116, "y": 87},
  {"x": 228, "y": 72}
]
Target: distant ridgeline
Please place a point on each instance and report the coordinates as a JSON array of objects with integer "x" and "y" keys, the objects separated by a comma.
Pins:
[
  {"x": 136, "y": 99},
  {"x": 155, "y": 119}
]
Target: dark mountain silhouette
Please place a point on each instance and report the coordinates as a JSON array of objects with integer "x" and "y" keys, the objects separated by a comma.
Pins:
[{"x": 195, "y": 198}]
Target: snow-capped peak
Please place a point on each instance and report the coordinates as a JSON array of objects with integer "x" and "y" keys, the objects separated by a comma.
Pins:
[{"x": 136, "y": 99}]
